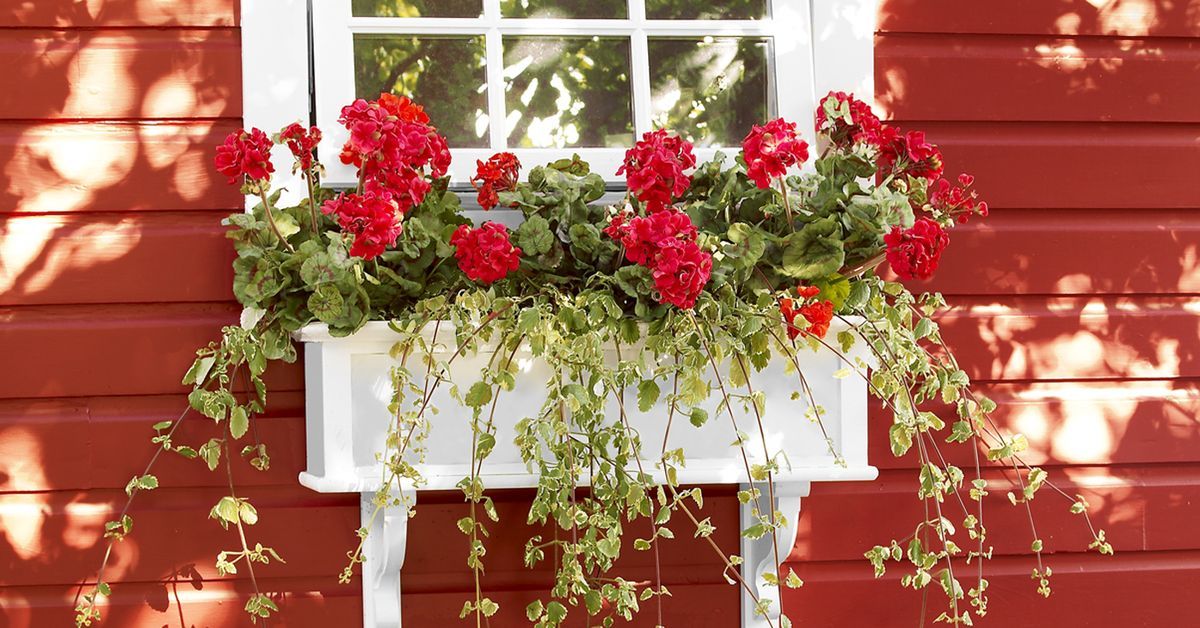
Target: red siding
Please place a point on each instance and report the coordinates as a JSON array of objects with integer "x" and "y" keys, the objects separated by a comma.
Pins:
[{"x": 1075, "y": 305}]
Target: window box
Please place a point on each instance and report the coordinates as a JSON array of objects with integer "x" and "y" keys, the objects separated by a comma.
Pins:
[{"x": 348, "y": 388}]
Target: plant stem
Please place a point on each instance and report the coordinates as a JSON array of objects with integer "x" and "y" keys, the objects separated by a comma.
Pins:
[
  {"x": 787, "y": 205},
  {"x": 312, "y": 204},
  {"x": 271, "y": 221}
]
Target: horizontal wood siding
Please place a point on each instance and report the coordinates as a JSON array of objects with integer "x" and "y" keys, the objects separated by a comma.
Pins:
[{"x": 1075, "y": 305}]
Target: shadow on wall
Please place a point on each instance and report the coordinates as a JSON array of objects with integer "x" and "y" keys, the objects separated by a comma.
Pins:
[
  {"x": 105, "y": 151},
  {"x": 108, "y": 117}
]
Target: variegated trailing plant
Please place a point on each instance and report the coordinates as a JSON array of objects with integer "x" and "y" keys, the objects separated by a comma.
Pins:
[{"x": 731, "y": 262}]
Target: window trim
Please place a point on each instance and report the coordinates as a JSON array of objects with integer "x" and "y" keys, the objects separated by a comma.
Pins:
[{"x": 834, "y": 50}]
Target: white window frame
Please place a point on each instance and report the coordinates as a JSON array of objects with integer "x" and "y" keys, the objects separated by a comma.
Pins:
[{"x": 818, "y": 46}]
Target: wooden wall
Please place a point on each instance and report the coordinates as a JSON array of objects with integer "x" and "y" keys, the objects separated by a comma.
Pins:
[{"x": 1075, "y": 306}]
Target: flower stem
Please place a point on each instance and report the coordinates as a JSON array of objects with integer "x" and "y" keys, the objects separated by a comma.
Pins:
[
  {"x": 271, "y": 221},
  {"x": 787, "y": 205},
  {"x": 312, "y": 203}
]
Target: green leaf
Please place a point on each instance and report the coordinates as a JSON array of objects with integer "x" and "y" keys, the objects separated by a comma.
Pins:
[
  {"x": 326, "y": 303},
  {"x": 647, "y": 395},
  {"x": 835, "y": 289},
  {"x": 286, "y": 224},
  {"x": 698, "y": 416},
  {"x": 534, "y": 236},
  {"x": 960, "y": 432},
  {"x": 533, "y": 610},
  {"x": 488, "y": 607},
  {"x": 225, "y": 511},
  {"x": 556, "y": 612},
  {"x": 247, "y": 513},
  {"x": 196, "y": 375},
  {"x": 210, "y": 452},
  {"x": 484, "y": 447},
  {"x": 900, "y": 436},
  {"x": 815, "y": 251},
  {"x": 239, "y": 422},
  {"x": 478, "y": 395}
]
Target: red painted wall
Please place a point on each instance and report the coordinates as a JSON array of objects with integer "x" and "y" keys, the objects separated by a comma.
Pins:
[{"x": 1076, "y": 307}]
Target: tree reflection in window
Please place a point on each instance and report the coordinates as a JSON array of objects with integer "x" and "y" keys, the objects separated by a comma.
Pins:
[
  {"x": 709, "y": 90},
  {"x": 568, "y": 91},
  {"x": 445, "y": 74},
  {"x": 415, "y": 8}
]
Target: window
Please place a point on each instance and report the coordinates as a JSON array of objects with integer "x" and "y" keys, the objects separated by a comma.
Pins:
[{"x": 547, "y": 78}]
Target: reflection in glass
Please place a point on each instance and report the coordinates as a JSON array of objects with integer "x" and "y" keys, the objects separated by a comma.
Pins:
[
  {"x": 564, "y": 8},
  {"x": 706, "y": 9},
  {"x": 446, "y": 75},
  {"x": 415, "y": 8},
  {"x": 710, "y": 90},
  {"x": 567, "y": 91}
]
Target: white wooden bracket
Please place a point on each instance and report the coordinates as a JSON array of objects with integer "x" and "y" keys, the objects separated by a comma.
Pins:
[
  {"x": 758, "y": 555},
  {"x": 383, "y": 551}
]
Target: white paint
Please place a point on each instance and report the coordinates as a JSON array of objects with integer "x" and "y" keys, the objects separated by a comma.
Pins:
[
  {"x": 347, "y": 382},
  {"x": 275, "y": 79},
  {"x": 819, "y": 46}
]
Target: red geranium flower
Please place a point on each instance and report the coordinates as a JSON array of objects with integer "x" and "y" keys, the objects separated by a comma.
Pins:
[
  {"x": 302, "y": 143},
  {"x": 403, "y": 108},
  {"x": 245, "y": 153},
  {"x": 863, "y": 125},
  {"x": 817, "y": 313},
  {"x": 485, "y": 254},
  {"x": 498, "y": 174},
  {"x": 373, "y": 220},
  {"x": 643, "y": 236},
  {"x": 914, "y": 253},
  {"x": 769, "y": 150},
  {"x": 958, "y": 201},
  {"x": 654, "y": 167},
  {"x": 393, "y": 145},
  {"x": 665, "y": 242},
  {"x": 680, "y": 271},
  {"x": 909, "y": 153}
]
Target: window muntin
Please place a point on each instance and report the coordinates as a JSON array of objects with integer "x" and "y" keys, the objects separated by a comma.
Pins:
[{"x": 545, "y": 78}]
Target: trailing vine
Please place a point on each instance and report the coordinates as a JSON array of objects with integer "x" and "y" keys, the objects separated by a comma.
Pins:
[{"x": 700, "y": 278}]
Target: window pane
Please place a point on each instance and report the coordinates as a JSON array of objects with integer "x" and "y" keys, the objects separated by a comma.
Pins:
[
  {"x": 710, "y": 90},
  {"x": 565, "y": 8},
  {"x": 567, "y": 92},
  {"x": 706, "y": 9},
  {"x": 446, "y": 75},
  {"x": 415, "y": 8}
]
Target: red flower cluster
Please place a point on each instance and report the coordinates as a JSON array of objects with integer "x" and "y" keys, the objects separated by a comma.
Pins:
[
  {"x": 302, "y": 144},
  {"x": 245, "y": 153},
  {"x": 654, "y": 167},
  {"x": 498, "y": 174},
  {"x": 817, "y": 313},
  {"x": 958, "y": 201},
  {"x": 644, "y": 236},
  {"x": 863, "y": 125},
  {"x": 373, "y": 220},
  {"x": 665, "y": 242},
  {"x": 769, "y": 150},
  {"x": 914, "y": 253},
  {"x": 485, "y": 254},
  {"x": 900, "y": 153},
  {"x": 681, "y": 271},
  {"x": 392, "y": 144},
  {"x": 909, "y": 153}
]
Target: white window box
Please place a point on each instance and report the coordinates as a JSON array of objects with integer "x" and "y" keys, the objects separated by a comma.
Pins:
[{"x": 348, "y": 388}]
